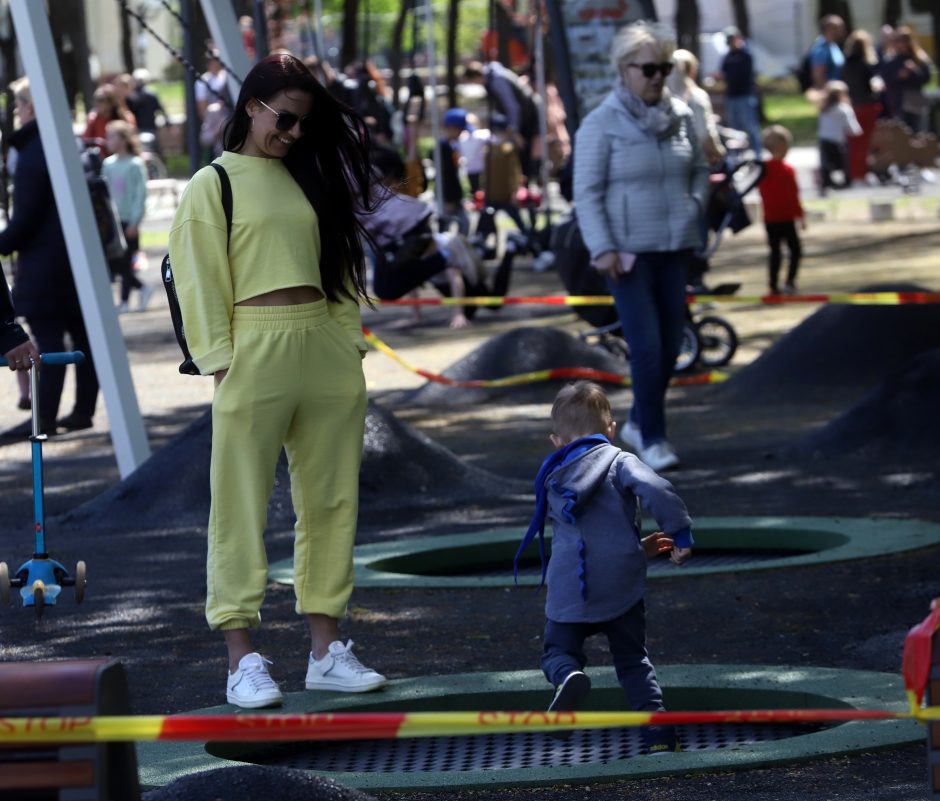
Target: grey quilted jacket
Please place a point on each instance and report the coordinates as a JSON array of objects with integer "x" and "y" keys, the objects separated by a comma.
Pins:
[{"x": 634, "y": 192}]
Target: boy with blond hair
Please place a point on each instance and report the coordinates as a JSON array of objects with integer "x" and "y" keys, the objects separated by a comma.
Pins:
[
  {"x": 592, "y": 493},
  {"x": 780, "y": 196}
]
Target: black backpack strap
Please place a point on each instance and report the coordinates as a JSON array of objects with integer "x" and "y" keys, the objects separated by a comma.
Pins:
[{"x": 226, "y": 197}]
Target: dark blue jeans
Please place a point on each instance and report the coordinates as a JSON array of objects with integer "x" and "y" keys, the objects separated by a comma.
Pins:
[
  {"x": 650, "y": 302},
  {"x": 49, "y": 333},
  {"x": 563, "y": 651}
]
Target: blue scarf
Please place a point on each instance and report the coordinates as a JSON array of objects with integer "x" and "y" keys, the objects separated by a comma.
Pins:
[{"x": 537, "y": 527}]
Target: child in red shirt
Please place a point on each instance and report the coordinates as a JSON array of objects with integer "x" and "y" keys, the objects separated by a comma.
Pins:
[{"x": 781, "y": 198}]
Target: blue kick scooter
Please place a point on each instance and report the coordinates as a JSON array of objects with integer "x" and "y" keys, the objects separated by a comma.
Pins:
[{"x": 41, "y": 579}]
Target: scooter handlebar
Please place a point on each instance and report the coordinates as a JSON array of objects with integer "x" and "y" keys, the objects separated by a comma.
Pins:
[{"x": 67, "y": 357}]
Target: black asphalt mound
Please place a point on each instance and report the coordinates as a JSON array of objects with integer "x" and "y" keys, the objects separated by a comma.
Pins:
[
  {"x": 898, "y": 419},
  {"x": 254, "y": 782},
  {"x": 521, "y": 351},
  {"x": 401, "y": 468},
  {"x": 840, "y": 351}
]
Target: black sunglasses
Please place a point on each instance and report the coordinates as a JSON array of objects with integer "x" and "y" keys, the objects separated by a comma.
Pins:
[
  {"x": 650, "y": 69},
  {"x": 285, "y": 120}
]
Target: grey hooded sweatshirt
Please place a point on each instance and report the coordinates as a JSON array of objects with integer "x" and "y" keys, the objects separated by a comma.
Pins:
[{"x": 597, "y": 569}]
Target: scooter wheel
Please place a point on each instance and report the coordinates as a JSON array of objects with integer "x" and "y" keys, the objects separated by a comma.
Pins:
[
  {"x": 79, "y": 581},
  {"x": 39, "y": 599},
  {"x": 4, "y": 584}
]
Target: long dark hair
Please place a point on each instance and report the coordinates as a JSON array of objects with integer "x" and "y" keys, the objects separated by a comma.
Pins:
[{"x": 330, "y": 163}]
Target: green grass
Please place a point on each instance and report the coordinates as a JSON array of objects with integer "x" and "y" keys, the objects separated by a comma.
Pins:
[
  {"x": 154, "y": 240},
  {"x": 171, "y": 95},
  {"x": 795, "y": 113}
]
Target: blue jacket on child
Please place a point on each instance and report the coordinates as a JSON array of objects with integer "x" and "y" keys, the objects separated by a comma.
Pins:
[{"x": 591, "y": 491}]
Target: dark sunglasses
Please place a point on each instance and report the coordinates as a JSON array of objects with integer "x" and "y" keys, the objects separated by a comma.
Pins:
[
  {"x": 650, "y": 69},
  {"x": 285, "y": 120}
]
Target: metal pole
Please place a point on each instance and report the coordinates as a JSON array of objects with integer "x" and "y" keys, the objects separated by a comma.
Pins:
[
  {"x": 543, "y": 106},
  {"x": 86, "y": 255},
  {"x": 223, "y": 26},
  {"x": 261, "y": 30},
  {"x": 192, "y": 115},
  {"x": 435, "y": 109}
]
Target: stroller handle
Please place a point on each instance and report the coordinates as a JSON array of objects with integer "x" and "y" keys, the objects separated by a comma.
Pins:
[{"x": 67, "y": 357}]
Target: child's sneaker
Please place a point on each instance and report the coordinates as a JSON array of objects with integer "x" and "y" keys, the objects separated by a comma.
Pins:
[
  {"x": 251, "y": 686},
  {"x": 789, "y": 289},
  {"x": 571, "y": 692},
  {"x": 660, "y": 740},
  {"x": 568, "y": 698},
  {"x": 341, "y": 671}
]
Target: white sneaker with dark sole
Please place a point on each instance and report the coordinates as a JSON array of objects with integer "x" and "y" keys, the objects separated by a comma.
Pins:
[
  {"x": 251, "y": 686},
  {"x": 569, "y": 697},
  {"x": 341, "y": 671}
]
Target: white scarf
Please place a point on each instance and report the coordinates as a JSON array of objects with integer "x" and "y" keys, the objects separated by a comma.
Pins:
[{"x": 659, "y": 120}]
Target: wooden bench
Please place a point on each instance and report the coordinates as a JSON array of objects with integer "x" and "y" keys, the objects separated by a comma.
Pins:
[{"x": 76, "y": 688}]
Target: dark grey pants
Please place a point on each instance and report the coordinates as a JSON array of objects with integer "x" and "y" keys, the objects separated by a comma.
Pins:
[{"x": 563, "y": 652}]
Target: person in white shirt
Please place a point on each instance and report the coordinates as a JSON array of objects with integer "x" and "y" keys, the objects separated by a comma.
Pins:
[{"x": 837, "y": 122}]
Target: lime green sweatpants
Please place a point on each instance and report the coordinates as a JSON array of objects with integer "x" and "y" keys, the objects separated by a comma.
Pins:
[{"x": 295, "y": 380}]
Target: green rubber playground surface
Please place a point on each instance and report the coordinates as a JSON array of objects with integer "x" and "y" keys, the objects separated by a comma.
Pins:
[
  {"x": 583, "y": 758},
  {"x": 722, "y": 544}
]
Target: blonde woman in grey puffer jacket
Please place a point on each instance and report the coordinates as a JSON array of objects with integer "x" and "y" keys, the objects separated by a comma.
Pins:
[{"x": 639, "y": 183}]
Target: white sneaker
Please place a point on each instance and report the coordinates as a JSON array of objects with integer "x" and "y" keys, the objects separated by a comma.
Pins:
[
  {"x": 571, "y": 692},
  {"x": 631, "y": 436},
  {"x": 251, "y": 686},
  {"x": 544, "y": 261},
  {"x": 340, "y": 670},
  {"x": 122, "y": 307},
  {"x": 146, "y": 292},
  {"x": 659, "y": 456}
]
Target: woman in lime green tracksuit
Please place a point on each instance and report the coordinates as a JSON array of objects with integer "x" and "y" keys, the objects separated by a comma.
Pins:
[{"x": 272, "y": 312}]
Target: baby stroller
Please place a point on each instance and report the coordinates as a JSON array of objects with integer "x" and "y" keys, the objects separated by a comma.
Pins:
[{"x": 708, "y": 341}]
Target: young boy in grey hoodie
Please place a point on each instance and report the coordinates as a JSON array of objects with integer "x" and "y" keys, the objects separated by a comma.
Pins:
[{"x": 592, "y": 493}]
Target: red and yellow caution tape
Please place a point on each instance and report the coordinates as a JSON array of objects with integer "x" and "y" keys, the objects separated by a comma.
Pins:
[
  {"x": 535, "y": 376},
  {"x": 391, "y": 725},
  {"x": 851, "y": 298}
]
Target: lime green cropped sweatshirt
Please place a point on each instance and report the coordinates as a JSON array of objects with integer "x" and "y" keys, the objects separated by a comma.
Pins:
[{"x": 275, "y": 244}]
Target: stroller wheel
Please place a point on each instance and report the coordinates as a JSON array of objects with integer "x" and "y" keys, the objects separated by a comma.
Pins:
[
  {"x": 79, "y": 581},
  {"x": 718, "y": 341},
  {"x": 4, "y": 584},
  {"x": 688, "y": 350}
]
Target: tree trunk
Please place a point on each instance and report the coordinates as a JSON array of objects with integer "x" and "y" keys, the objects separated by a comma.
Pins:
[
  {"x": 453, "y": 20},
  {"x": 67, "y": 22},
  {"x": 892, "y": 13},
  {"x": 394, "y": 53},
  {"x": 840, "y": 7},
  {"x": 127, "y": 41},
  {"x": 347, "y": 53},
  {"x": 502, "y": 25},
  {"x": 8, "y": 56},
  {"x": 687, "y": 25},
  {"x": 742, "y": 19}
]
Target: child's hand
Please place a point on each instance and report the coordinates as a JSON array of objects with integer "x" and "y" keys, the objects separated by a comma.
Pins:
[
  {"x": 680, "y": 555},
  {"x": 802, "y": 223},
  {"x": 656, "y": 544}
]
